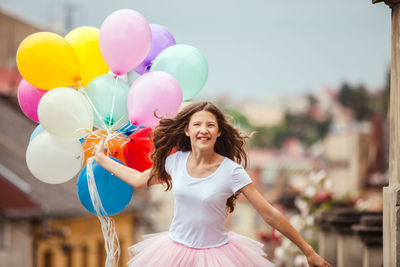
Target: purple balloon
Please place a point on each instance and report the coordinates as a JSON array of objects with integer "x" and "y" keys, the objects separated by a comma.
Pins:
[{"x": 161, "y": 39}]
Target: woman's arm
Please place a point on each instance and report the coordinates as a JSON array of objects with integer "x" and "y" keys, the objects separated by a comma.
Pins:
[
  {"x": 274, "y": 218},
  {"x": 131, "y": 176}
]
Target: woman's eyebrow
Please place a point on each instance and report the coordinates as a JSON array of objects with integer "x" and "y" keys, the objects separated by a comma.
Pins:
[{"x": 206, "y": 121}]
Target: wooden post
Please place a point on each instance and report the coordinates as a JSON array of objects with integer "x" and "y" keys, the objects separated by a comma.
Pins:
[{"x": 391, "y": 193}]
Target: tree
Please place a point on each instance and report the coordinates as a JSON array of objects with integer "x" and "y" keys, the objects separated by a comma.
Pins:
[
  {"x": 357, "y": 99},
  {"x": 300, "y": 126}
]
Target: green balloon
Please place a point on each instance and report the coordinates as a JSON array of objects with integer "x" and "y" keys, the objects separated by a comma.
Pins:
[
  {"x": 102, "y": 92},
  {"x": 187, "y": 64}
]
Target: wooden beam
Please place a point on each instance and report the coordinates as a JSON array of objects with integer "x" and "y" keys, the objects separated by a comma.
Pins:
[
  {"x": 394, "y": 112},
  {"x": 391, "y": 193}
]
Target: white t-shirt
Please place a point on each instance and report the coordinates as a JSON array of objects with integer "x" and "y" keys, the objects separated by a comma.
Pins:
[{"x": 200, "y": 203}]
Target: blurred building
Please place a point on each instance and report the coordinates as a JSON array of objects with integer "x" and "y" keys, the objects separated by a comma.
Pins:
[
  {"x": 13, "y": 30},
  {"x": 16, "y": 202},
  {"x": 15, "y": 233},
  {"x": 356, "y": 154},
  {"x": 263, "y": 115},
  {"x": 347, "y": 156}
]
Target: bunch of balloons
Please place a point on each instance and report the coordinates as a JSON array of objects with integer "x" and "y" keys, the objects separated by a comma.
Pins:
[{"x": 74, "y": 87}]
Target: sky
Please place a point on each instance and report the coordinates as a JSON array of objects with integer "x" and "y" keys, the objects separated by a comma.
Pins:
[{"x": 255, "y": 48}]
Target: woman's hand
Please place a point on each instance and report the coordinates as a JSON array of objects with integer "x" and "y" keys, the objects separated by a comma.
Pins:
[
  {"x": 314, "y": 260},
  {"x": 99, "y": 151}
]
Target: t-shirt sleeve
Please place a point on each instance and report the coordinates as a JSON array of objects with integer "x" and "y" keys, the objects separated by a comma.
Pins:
[
  {"x": 170, "y": 163},
  {"x": 240, "y": 178}
]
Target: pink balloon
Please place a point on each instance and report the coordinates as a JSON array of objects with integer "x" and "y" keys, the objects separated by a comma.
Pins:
[
  {"x": 154, "y": 91},
  {"x": 124, "y": 40},
  {"x": 28, "y": 99}
]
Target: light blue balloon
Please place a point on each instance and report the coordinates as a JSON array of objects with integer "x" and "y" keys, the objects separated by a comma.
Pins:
[
  {"x": 102, "y": 92},
  {"x": 187, "y": 64},
  {"x": 35, "y": 132},
  {"x": 114, "y": 193}
]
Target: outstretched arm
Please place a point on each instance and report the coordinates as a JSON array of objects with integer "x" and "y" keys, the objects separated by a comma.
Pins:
[
  {"x": 131, "y": 176},
  {"x": 274, "y": 218}
]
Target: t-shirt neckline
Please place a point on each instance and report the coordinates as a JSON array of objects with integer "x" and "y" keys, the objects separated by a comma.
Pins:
[{"x": 201, "y": 178}]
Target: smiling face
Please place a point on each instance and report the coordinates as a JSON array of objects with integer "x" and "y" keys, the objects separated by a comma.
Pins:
[{"x": 203, "y": 130}]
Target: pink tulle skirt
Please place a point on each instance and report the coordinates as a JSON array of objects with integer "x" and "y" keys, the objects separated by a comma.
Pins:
[{"x": 159, "y": 250}]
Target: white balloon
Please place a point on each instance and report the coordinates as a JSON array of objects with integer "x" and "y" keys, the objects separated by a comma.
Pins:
[
  {"x": 66, "y": 113},
  {"x": 52, "y": 159}
]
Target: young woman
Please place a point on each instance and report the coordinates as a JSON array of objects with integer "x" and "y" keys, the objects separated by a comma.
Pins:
[{"x": 206, "y": 176}]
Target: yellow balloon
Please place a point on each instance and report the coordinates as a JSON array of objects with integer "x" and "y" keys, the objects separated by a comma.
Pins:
[
  {"x": 85, "y": 41},
  {"x": 46, "y": 60}
]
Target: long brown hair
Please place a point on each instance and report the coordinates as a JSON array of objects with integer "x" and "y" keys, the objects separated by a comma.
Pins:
[{"x": 170, "y": 134}]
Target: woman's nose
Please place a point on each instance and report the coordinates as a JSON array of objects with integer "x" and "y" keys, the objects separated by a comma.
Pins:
[{"x": 203, "y": 130}]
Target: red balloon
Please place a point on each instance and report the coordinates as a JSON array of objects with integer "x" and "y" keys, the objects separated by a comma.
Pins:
[{"x": 137, "y": 151}]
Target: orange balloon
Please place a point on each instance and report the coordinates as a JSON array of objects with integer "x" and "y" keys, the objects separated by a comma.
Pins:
[{"x": 116, "y": 145}]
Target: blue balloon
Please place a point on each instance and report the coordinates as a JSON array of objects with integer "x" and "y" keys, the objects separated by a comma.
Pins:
[
  {"x": 114, "y": 193},
  {"x": 129, "y": 129},
  {"x": 35, "y": 132}
]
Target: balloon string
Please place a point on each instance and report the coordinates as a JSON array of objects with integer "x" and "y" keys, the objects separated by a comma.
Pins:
[
  {"x": 80, "y": 129},
  {"x": 99, "y": 135},
  {"x": 124, "y": 128},
  {"x": 123, "y": 144},
  {"x": 82, "y": 90},
  {"x": 123, "y": 117},
  {"x": 111, "y": 242},
  {"x": 113, "y": 102},
  {"x": 114, "y": 135},
  {"x": 111, "y": 145},
  {"x": 89, "y": 148},
  {"x": 108, "y": 129}
]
